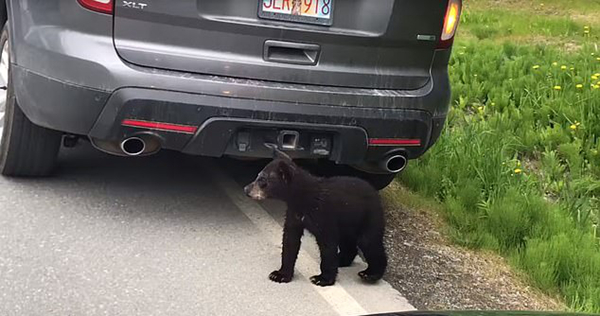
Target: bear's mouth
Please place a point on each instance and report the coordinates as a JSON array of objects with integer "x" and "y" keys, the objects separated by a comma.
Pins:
[
  {"x": 258, "y": 197},
  {"x": 257, "y": 194}
]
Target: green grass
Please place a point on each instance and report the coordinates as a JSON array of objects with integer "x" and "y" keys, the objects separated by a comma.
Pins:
[
  {"x": 517, "y": 169},
  {"x": 496, "y": 23}
]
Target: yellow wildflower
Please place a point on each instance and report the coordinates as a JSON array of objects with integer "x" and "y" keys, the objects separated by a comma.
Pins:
[
  {"x": 536, "y": 67},
  {"x": 579, "y": 86},
  {"x": 598, "y": 58},
  {"x": 577, "y": 123},
  {"x": 557, "y": 88},
  {"x": 572, "y": 68},
  {"x": 594, "y": 77},
  {"x": 597, "y": 87},
  {"x": 480, "y": 109},
  {"x": 518, "y": 171},
  {"x": 555, "y": 64},
  {"x": 573, "y": 126},
  {"x": 563, "y": 67}
]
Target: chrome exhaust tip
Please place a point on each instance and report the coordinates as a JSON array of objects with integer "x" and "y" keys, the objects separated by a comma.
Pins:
[
  {"x": 394, "y": 163},
  {"x": 133, "y": 146}
]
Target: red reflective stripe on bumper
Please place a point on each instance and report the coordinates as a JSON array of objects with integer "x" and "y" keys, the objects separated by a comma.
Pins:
[
  {"x": 394, "y": 142},
  {"x": 186, "y": 129}
]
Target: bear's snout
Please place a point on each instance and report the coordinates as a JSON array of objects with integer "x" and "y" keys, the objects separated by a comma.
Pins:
[
  {"x": 253, "y": 191},
  {"x": 248, "y": 189}
]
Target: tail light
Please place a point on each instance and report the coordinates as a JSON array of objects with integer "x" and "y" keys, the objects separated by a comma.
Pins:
[
  {"x": 103, "y": 6},
  {"x": 450, "y": 23}
]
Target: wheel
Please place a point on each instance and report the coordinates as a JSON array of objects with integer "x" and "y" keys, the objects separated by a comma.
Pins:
[
  {"x": 328, "y": 169},
  {"x": 378, "y": 181},
  {"x": 25, "y": 148}
]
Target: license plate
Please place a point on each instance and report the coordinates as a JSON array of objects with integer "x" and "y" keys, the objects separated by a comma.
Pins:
[{"x": 302, "y": 11}]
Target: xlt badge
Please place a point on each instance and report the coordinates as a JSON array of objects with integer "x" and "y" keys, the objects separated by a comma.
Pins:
[{"x": 134, "y": 5}]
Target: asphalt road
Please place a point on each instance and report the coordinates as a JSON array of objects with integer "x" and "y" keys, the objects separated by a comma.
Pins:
[{"x": 163, "y": 235}]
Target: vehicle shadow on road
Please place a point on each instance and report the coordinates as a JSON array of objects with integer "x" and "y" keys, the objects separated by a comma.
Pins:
[{"x": 168, "y": 184}]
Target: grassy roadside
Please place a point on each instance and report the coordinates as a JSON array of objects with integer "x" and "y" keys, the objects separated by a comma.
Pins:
[
  {"x": 517, "y": 169},
  {"x": 434, "y": 274}
]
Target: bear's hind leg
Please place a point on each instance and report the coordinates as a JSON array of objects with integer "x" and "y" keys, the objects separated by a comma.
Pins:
[
  {"x": 348, "y": 251},
  {"x": 372, "y": 248}
]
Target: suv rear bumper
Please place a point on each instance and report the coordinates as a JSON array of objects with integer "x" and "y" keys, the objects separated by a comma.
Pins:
[{"x": 211, "y": 123}]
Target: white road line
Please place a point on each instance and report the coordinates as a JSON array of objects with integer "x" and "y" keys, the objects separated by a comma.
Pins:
[{"x": 336, "y": 296}]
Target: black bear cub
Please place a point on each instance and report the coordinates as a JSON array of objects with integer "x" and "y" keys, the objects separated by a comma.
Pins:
[{"x": 344, "y": 214}]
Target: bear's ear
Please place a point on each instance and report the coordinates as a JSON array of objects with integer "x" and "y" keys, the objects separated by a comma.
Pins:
[
  {"x": 281, "y": 155},
  {"x": 278, "y": 153},
  {"x": 286, "y": 171}
]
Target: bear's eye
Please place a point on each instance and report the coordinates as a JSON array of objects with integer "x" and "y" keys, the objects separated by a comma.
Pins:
[{"x": 262, "y": 183}]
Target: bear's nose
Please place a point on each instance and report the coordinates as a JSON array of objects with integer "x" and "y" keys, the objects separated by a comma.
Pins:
[{"x": 247, "y": 189}]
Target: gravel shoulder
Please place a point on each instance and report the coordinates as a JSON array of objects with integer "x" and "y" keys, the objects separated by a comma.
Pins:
[{"x": 433, "y": 274}]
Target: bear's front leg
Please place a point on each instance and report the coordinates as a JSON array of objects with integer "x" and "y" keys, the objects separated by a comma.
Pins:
[{"x": 292, "y": 236}]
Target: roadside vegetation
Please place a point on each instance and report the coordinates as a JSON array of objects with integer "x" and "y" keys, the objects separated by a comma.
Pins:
[{"x": 517, "y": 169}]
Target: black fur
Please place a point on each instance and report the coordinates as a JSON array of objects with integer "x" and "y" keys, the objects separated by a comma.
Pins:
[{"x": 343, "y": 213}]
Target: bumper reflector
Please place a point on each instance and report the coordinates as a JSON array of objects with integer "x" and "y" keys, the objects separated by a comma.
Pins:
[
  {"x": 166, "y": 127},
  {"x": 394, "y": 142}
]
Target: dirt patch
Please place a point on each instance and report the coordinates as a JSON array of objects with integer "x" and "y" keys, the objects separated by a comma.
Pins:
[
  {"x": 434, "y": 275},
  {"x": 590, "y": 18}
]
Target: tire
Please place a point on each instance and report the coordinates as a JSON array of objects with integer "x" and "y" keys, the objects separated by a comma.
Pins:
[
  {"x": 328, "y": 169},
  {"x": 26, "y": 150},
  {"x": 378, "y": 181}
]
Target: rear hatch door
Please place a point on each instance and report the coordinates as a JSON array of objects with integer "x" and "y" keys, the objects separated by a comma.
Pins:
[{"x": 383, "y": 44}]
